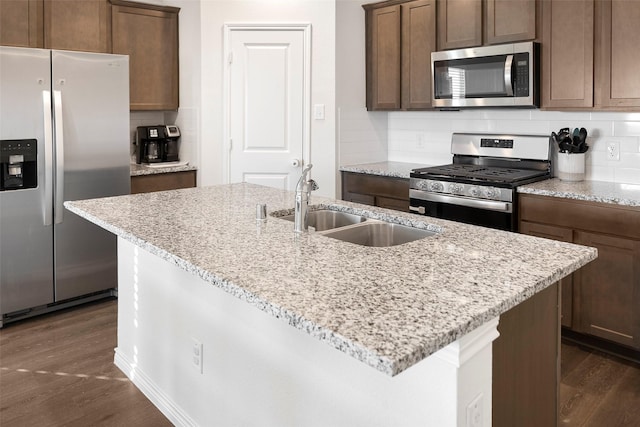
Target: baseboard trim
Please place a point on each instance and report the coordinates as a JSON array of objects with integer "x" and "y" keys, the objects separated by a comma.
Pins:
[
  {"x": 163, "y": 402},
  {"x": 602, "y": 345}
]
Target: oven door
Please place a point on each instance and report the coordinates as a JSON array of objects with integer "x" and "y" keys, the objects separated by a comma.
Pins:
[{"x": 485, "y": 213}]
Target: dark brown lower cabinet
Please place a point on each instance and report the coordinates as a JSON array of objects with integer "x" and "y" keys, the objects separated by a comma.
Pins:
[
  {"x": 162, "y": 182},
  {"x": 602, "y": 299},
  {"x": 375, "y": 190},
  {"x": 526, "y": 363},
  {"x": 609, "y": 289}
]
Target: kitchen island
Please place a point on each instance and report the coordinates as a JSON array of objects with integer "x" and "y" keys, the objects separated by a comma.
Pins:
[{"x": 223, "y": 319}]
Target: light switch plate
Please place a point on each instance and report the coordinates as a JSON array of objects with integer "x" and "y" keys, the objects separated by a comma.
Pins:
[{"x": 318, "y": 111}]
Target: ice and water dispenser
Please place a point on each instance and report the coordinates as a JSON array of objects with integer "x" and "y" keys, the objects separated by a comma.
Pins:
[{"x": 18, "y": 164}]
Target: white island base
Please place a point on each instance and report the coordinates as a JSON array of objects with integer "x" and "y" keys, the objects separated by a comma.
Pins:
[{"x": 259, "y": 371}]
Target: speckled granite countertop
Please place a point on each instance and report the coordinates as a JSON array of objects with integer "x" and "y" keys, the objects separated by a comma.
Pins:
[
  {"x": 387, "y": 307},
  {"x": 593, "y": 191},
  {"x": 137, "y": 170},
  {"x": 392, "y": 169}
]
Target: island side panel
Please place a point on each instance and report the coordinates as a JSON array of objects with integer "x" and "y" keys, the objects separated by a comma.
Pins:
[
  {"x": 526, "y": 363},
  {"x": 258, "y": 370}
]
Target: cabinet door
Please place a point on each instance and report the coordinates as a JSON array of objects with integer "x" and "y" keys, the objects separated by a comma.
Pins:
[
  {"x": 418, "y": 41},
  {"x": 383, "y": 67},
  {"x": 21, "y": 23},
  {"x": 567, "y": 53},
  {"x": 77, "y": 25},
  {"x": 608, "y": 289},
  {"x": 149, "y": 35},
  {"x": 617, "y": 82},
  {"x": 510, "y": 21},
  {"x": 459, "y": 24},
  {"x": 566, "y": 284}
]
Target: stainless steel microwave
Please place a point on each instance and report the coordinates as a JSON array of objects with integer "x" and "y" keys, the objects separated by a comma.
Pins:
[{"x": 489, "y": 76}]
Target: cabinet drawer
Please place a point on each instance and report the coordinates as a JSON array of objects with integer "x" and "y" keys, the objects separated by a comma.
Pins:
[
  {"x": 384, "y": 186},
  {"x": 162, "y": 182},
  {"x": 581, "y": 215}
]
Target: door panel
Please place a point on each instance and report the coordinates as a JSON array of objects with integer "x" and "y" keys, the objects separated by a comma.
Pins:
[
  {"x": 26, "y": 233},
  {"x": 95, "y": 120},
  {"x": 610, "y": 288},
  {"x": 268, "y": 105}
]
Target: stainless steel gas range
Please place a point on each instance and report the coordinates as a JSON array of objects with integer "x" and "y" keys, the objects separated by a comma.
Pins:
[{"x": 479, "y": 187}]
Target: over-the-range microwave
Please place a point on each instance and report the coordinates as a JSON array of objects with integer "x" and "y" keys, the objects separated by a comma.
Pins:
[{"x": 490, "y": 76}]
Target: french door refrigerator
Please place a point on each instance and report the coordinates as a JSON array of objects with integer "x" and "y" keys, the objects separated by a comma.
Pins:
[{"x": 72, "y": 110}]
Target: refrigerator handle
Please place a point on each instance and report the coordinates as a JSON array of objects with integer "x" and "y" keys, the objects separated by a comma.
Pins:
[
  {"x": 47, "y": 203},
  {"x": 59, "y": 135}
]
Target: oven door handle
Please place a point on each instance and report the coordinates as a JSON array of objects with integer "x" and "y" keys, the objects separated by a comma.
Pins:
[{"x": 490, "y": 205}]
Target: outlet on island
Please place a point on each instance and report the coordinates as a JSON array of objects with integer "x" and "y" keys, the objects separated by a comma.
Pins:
[{"x": 196, "y": 354}]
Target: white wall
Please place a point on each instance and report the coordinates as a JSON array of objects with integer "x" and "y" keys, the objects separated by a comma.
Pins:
[
  {"x": 361, "y": 135},
  {"x": 321, "y": 14},
  {"x": 425, "y": 137}
]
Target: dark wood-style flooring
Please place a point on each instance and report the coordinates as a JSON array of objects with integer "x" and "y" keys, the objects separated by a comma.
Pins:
[
  {"x": 57, "y": 370},
  {"x": 597, "y": 389}
]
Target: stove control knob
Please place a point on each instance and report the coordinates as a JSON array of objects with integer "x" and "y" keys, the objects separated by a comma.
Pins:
[
  {"x": 474, "y": 192},
  {"x": 456, "y": 188},
  {"x": 436, "y": 186},
  {"x": 491, "y": 193}
]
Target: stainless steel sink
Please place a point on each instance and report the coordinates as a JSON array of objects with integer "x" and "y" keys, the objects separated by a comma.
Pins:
[
  {"x": 378, "y": 234},
  {"x": 325, "y": 219}
]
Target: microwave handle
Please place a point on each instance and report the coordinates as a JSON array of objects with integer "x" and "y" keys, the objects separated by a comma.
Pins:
[{"x": 507, "y": 75}]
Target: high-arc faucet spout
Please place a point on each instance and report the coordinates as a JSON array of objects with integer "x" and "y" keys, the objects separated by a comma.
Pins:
[{"x": 304, "y": 187}]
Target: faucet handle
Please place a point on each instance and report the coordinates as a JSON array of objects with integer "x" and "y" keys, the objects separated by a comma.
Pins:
[{"x": 312, "y": 185}]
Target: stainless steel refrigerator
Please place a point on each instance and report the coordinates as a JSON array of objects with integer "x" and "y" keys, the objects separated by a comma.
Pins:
[{"x": 64, "y": 135}]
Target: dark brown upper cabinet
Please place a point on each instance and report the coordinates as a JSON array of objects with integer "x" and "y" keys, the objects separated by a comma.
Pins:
[
  {"x": 56, "y": 24},
  {"x": 400, "y": 36},
  {"x": 77, "y": 25},
  {"x": 21, "y": 23},
  {"x": 149, "y": 35},
  {"x": 567, "y": 56},
  {"x": 471, "y": 23},
  {"x": 459, "y": 24},
  {"x": 583, "y": 71},
  {"x": 617, "y": 60}
]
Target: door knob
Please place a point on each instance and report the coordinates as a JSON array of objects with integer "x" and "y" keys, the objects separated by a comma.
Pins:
[{"x": 296, "y": 163}]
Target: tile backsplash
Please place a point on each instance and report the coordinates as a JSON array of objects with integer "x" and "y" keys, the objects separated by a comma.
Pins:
[
  {"x": 362, "y": 136},
  {"x": 425, "y": 137}
]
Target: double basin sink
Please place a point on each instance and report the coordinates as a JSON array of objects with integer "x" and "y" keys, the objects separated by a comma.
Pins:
[{"x": 360, "y": 230}]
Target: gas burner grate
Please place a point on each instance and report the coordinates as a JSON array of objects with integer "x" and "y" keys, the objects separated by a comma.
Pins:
[{"x": 478, "y": 173}]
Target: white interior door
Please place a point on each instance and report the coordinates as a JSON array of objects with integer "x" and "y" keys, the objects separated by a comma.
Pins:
[{"x": 268, "y": 103}]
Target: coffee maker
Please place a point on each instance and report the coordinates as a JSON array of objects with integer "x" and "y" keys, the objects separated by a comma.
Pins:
[
  {"x": 18, "y": 164},
  {"x": 156, "y": 144}
]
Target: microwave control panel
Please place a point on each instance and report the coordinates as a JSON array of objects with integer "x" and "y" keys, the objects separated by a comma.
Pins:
[{"x": 521, "y": 81}]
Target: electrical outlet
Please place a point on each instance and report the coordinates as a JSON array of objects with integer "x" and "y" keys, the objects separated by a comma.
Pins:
[
  {"x": 419, "y": 140},
  {"x": 474, "y": 412},
  {"x": 196, "y": 354},
  {"x": 613, "y": 150}
]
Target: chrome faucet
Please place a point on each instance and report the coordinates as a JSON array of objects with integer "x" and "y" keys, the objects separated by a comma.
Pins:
[{"x": 303, "y": 192}]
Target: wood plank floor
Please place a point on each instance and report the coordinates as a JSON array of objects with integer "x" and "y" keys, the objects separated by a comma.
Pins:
[
  {"x": 597, "y": 389},
  {"x": 57, "y": 370}
]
